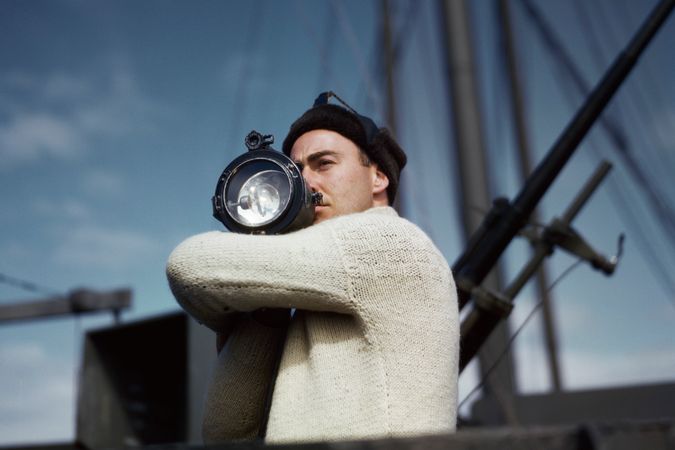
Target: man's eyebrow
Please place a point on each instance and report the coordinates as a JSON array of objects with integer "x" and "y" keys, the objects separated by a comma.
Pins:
[{"x": 320, "y": 154}]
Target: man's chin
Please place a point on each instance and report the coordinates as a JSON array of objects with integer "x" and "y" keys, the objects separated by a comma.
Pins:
[{"x": 321, "y": 213}]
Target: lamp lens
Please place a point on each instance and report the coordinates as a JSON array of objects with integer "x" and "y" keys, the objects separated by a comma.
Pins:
[{"x": 261, "y": 198}]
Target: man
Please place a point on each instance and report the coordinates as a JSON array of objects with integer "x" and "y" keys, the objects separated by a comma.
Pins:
[{"x": 373, "y": 346}]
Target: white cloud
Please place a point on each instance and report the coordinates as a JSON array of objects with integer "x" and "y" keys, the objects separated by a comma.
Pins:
[
  {"x": 62, "y": 115},
  {"x": 95, "y": 183},
  {"x": 37, "y": 393},
  {"x": 122, "y": 108},
  {"x": 26, "y": 137},
  {"x": 57, "y": 86},
  {"x": 91, "y": 246}
]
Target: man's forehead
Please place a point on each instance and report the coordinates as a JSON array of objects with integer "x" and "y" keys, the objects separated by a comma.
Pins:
[{"x": 317, "y": 142}]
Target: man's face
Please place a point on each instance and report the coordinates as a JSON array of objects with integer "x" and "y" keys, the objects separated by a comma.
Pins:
[{"x": 332, "y": 164}]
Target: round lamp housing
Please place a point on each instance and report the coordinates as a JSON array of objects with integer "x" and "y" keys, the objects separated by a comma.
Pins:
[{"x": 263, "y": 192}]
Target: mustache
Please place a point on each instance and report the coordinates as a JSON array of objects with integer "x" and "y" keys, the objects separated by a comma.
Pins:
[{"x": 317, "y": 199}]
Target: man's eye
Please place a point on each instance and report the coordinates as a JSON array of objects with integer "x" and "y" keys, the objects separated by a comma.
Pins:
[{"x": 325, "y": 163}]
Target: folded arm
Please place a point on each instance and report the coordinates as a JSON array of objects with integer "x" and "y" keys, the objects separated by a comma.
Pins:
[
  {"x": 235, "y": 403},
  {"x": 217, "y": 273}
]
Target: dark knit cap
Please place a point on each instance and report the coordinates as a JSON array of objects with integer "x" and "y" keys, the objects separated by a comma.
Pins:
[{"x": 376, "y": 143}]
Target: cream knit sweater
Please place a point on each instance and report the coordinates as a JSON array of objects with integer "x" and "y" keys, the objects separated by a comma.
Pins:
[{"x": 372, "y": 350}]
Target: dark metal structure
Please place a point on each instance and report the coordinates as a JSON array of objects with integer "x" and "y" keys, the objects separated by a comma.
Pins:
[
  {"x": 506, "y": 218},
  {"x": 522, "y": 142},
  {"x": 78, "y": 301},
  {"x": 143, "y": 383},
  {"x": 473, "y": 181}
]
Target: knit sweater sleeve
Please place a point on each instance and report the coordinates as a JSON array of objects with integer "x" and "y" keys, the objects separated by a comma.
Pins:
[
  {"x": 215, "y": 273},
  {"x": 235, "y": 402}
]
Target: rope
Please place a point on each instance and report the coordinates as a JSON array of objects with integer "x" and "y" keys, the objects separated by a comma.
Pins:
[
  {"x": 509, "y": 344},
  {"x": 27, "y": 285}
]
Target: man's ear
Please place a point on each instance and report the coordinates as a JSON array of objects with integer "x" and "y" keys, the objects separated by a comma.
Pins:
[{"x": 380, "y": 181}]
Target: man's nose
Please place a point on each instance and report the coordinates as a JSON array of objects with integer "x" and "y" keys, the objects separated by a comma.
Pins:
[{"x": 310, "y": 179}]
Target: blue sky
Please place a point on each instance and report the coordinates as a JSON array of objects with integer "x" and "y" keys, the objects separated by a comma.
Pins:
[{"x": 116, "y": 119}]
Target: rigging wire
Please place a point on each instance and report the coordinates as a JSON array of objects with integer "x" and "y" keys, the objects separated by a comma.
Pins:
[
  {"x": 599, "y": 56},
  {"x": 400, "y": 41},
  {"x": 633, "y": 92},
  {"x": 255, "y": 25},
  {"x": 355, "y": 47},
  {"x": 417, "y": 189},
  {"x": 618, "y": 196},
  {"x": 400, "y": 36},
  {"x": 515, "y": 334},
  {"x": 644, "y": 245},
  {"x": 499, "y": 111},
  {"x": 630, "y": 216},
  {"x": 638, "y": 104},
  {"x": 635, "y": 103},
  {"x": 439, "y": 110},
  {"x": 325, "y": 50},
  {"x": 26, "y": 285},
  {"x": 662, "y": 211},
  {"x": 650, "y": 79},
  {"x": 625, "y": 206}
]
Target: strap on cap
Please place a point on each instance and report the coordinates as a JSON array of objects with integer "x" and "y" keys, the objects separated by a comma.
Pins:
[{"x": 368, "y": 124}]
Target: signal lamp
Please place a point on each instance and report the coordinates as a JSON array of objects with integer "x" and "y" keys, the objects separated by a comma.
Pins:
[{"x": 263, "y": 192}]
